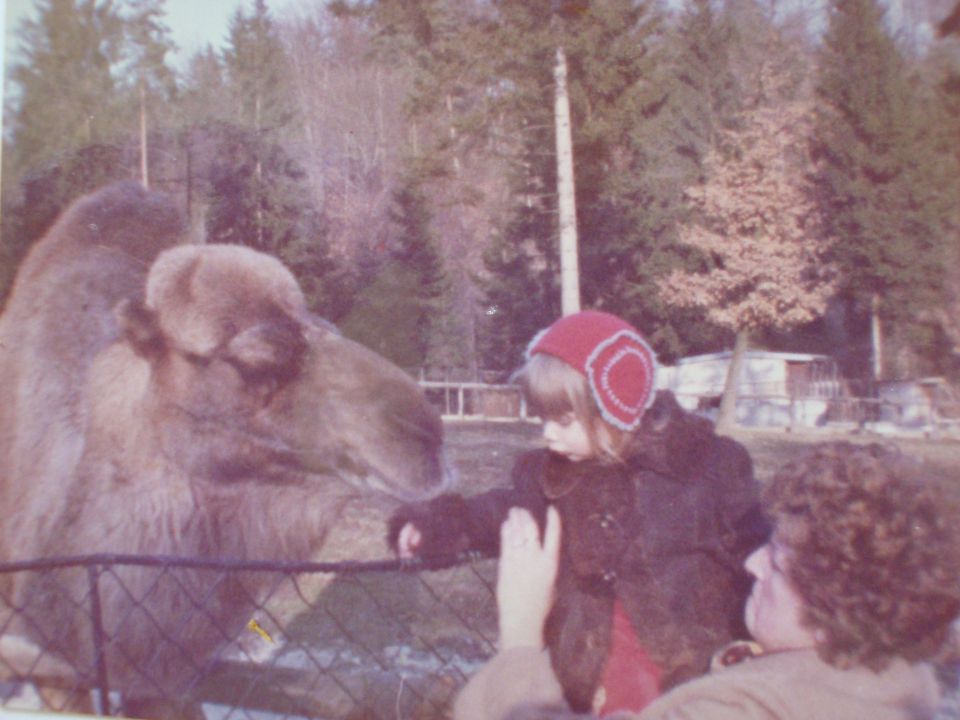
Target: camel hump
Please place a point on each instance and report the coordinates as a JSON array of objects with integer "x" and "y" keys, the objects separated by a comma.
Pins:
[
  {"x": 123, "y": 216},
  {"x": 127, "y": 216}
]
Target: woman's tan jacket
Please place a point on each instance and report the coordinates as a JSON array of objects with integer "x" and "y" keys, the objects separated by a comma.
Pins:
[{"x": 793, "y": 685}]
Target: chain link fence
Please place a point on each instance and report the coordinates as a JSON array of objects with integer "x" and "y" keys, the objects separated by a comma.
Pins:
[{"x": 390, "y": 639}]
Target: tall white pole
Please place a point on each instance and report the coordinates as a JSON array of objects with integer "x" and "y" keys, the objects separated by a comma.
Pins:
[{"x": 566, "y": 199}]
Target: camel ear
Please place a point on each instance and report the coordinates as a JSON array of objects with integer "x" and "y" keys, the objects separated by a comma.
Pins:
[{"x": 139, "y": 327}]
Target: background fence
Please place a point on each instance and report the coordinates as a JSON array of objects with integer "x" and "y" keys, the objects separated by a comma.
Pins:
[
  {"x": 476, "y": 401},
  {"x": 908, "y": 409},
  {"x": 376, "y": 640}
]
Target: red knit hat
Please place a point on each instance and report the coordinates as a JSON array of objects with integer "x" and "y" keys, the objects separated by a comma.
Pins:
[{"x": 619, "y": 365}]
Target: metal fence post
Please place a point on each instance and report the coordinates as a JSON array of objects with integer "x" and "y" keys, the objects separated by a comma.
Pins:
[{"x": 103, "y": 685}]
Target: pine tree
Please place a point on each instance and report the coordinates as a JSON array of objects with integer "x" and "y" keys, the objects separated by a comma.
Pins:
[
  {"x": 612, "y": 50},
  {"x": 256, "y": 68},
  {"x": 942, "y": 71},
  {"x": 405, "y": 312},
  {"x": 669, "y": 117},
  {"x": 485, "y": 87},
  {"x": 204, "y": 95},
  {"x": 520, "y": 297},
  {"x": 153, "y": 82},
  {"x": 880, "y": 187},
  {"x": 65, "y": 96},
  {"x": 69, "y": 116},
  {"x": 418, "y": 253}
]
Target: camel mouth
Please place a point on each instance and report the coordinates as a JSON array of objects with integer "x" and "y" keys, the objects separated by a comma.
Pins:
[
  {"x": 364, "y": 477},
  {"x": 379, "y": 482}
]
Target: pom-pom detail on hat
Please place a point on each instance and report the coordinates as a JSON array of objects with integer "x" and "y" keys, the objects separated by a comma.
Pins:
[{"x": 618, "y": 363}]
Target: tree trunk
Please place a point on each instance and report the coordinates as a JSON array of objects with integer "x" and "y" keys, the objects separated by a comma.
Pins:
[
  {"x": 566, "y": 202},
  {"x": 876, "y": 338},
  {"x": 727, "y": 418},
  {"x": 144, "y": 164},
  {"x": 259, "y": 174}
]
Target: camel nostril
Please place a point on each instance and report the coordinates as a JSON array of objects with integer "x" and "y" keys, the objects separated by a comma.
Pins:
[{"x": 419, "y": 420}]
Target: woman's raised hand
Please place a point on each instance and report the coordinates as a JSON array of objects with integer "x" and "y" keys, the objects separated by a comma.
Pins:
[{"x": 526, "y": 576}]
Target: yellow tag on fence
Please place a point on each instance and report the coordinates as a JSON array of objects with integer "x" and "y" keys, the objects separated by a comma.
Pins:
[{"x": 255, "y": 627}]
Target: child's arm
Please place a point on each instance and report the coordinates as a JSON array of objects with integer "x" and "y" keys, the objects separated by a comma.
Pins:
[{"x": 452, "y": 524}]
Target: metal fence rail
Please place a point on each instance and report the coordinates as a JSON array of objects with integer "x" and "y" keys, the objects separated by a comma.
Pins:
[
  {"x": 502, "y": 402},
  {"x": 330, "y": 640},
  {"x": 476, "y": 401}
]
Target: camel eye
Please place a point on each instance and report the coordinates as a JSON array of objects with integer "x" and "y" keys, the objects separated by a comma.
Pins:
[
  {"x": 196, "y": 359},
  {"x": 268, "y": 351},
  {"x": 269, "y": 376}
]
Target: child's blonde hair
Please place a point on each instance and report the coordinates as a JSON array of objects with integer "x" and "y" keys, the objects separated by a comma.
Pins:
[{"x": 554, "y": 388}]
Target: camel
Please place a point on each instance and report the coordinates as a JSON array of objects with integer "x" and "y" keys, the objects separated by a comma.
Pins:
[{"x": 168, "y": 398}]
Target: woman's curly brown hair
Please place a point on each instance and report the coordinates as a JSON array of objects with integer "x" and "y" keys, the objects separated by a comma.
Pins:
[{"x": 873, "y": 552}]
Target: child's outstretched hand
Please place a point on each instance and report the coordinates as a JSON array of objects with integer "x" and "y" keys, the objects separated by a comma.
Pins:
[
  {"x": 408, "y": 541},
  {"x": 526, "y": 576}
]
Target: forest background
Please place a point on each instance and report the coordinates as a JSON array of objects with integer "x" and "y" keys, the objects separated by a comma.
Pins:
[{"x": 783, "y": 173}]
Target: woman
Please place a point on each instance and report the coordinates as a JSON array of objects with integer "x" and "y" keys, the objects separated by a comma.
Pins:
[{"x": 853, "y": 598}]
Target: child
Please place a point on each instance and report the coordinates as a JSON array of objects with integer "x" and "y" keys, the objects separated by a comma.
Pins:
[{"x": 658, "y": 514}]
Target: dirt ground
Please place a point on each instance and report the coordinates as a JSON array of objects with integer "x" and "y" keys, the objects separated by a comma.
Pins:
[{"x": 484, "y": 452}]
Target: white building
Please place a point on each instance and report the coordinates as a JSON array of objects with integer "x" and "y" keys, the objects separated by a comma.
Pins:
[{"x": 775, "y": 389}]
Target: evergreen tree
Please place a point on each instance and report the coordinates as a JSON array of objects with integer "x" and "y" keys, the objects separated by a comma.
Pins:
[
  {"x": 71, "y": 117},
  {"x": 253, "y": 190},
  {"x": 383, "y": 318},
  {"x": 65, "y": 96},
  {"x": 404, "y": 313},
  {"x": 612, "y": 51},
  {"x": 880, "y": 184},
  {"x": 147, "y": 44},
  {"x": 147, "y": 75},
  {"x": 204, "y": 95},
  {"x": 521, "y": 283},
  {"x": 484, "y": 84},
  {"x": 255, "y": 65},
  {"x": 708, "y": 61},
  {"x": 702, "y": 82},
  {"x": 521, "y": 295},
  {"x": 418, "y": 252},
  {"x": 943, "y": 68}
]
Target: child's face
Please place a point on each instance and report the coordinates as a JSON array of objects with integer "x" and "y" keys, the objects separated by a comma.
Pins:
[{"x": 567, "y": 436}]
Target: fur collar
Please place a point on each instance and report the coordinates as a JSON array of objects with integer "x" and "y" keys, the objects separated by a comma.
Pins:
[{"x": 670, "y": 440}]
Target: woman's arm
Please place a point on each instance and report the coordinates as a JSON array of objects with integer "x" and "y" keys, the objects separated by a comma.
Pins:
[{"x": 520, "y": 674}]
